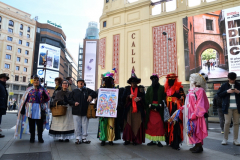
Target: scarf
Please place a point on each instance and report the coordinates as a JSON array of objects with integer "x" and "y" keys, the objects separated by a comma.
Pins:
[{"x": 134, "y": 104}]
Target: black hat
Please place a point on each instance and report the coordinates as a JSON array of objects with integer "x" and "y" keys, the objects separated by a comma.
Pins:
[
  {"x": 154, "y": 76},
  {"x": 133, "y": 78},
  {"x": 4, "y": 75},
  {"x": 80, "y": 80},
  {"x": 35, "y": 77}
]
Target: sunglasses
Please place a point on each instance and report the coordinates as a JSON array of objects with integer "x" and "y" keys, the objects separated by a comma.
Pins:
[{"x": 64, "y": 83}]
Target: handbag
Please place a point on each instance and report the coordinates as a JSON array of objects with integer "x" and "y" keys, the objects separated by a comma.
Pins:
[
  {"x": 59, "y": 110},
  {"x": 166, "y": 112},
  {"x": 91, "y": 112}
]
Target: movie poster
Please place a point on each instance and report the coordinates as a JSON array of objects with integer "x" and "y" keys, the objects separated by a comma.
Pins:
[{"x": 107, "y": 102}]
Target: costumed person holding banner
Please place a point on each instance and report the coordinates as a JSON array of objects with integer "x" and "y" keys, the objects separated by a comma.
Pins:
[
  {"x": 62, "y": 127},
  {"x": 196, "y": 106},
  {"x": 154, "y": 99},
  {"x": 175, "y": 100},
  {"x": 134, "y": 112},
  {"x": 108, "y": 129},
  {"x": 33, "y": 110}
]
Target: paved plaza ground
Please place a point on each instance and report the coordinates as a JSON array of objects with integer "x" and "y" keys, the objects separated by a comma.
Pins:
[
  {"x": 214, "y": 72},
  {"x": 11, "y": 149}
]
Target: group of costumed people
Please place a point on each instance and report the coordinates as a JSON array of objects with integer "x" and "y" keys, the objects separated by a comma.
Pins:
[{"x": 162, "y": 113}]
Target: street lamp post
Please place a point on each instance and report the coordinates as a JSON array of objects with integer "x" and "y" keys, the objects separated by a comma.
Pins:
[{"x": 168, "y": 39}]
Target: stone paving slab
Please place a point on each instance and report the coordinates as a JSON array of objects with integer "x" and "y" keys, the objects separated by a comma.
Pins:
[{"x": 28, "y": 156}]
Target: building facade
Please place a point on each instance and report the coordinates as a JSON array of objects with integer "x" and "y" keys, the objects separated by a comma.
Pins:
[
  {"x": 80, "y": 62},
  {"x": 17, "y": 35},
  {"x": 71, "y": 65},
  {"x": 92, "y": 31}
]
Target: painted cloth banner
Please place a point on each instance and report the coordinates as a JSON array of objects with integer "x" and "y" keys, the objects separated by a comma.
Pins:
[
  {"x": 50, "y": 76},
  {"x": 232, "y": 24},
  {"x": 107, "y": 102}
]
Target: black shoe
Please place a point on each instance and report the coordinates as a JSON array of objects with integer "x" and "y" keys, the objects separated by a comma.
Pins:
[
  {"x": 32, "y": 140},
  {"x": 193, "y": 148},
  {"x": 159, "y": 144},
  {"x": 103, "y": 143},
  {"x": 151, "y": 143},
  {"x": 41, "y": 141},
  {"x": 134, "y": 143},
  {"x": 2, "y": 136},
  {"x": 126, "y": 143},
  {"x": 198, "y": 148},
  {"x": 60, "y": 140},
  {"x": 66, "y": 140},
  {"x": 111, "y": 143}
]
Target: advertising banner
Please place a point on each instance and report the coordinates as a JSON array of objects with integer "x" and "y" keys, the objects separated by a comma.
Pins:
[
  {"x": 90, "y": 64},
  {"x": 53, "y": 56},
  {"x": 107, "y": 102},
  {"x": 50, "y": 76},
  {"x": 232, "y": 23}
]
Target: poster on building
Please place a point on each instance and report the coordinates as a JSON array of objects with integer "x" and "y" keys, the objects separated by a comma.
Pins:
[
  {"x": 90, "y": 64},
  {"x": 205, "y": 45},
  {"x": 232, "y": 25},
  {"x": 51, "y": 54},
  {"x": 107, "y": 102},
  {"x": 50, "y": 76}
]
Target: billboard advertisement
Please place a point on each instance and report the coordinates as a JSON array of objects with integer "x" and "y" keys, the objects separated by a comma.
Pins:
[
  {"x": 51, "y": 54},
  {"x": 50, "y": 76},
  {"x": 90, "y": 64},
  {"x": 211, "y": 43}
]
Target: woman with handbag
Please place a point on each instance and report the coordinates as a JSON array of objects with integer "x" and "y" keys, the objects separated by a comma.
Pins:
[
  {"x": 58, "y": 82},
  {"x": 33, "y": 109},
  {"x": 62, "y": 127}
]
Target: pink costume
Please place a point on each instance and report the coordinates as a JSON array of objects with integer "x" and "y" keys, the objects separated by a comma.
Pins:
[{"x": 196, "y": 103}]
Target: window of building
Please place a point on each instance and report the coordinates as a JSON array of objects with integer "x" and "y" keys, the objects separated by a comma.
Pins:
[
  {"x": 17, "y": 68},
  {"x": 27, "y": 52},
  {"x": 25, "y": 69},
  {"x": 21, "y": 33},
  {"x": 7, "y": 66},
  {"x": 105, "y": 24},
  {"x": 11, "y": 23},
  {"x": 10, "y": 30},
  {"x": 15, "y": 87},
  {"x": 20, "y": 41},
  {"x": 192, "y": 3},
  {"x": 9, "y": 38},
  {"x": 0, "y": 26},
  {"x": 28, "y": 35},
  {"x": 21, "y": 26},
  {"x": 18, "y": 59},
  {"x": 38, "y": 30},
  {"x": 107, "y": 1},
  {"x": 191, "y": 47},
  {"x": 23, "y": 88},
  {"x": 24, "y": 79},
  {"x": 190, "y": 26},
  {"x": 209, "y": 24},
  {"x": 26, "y": 60},
  {"x": 19, "y": 50},
  {"x": 171, "y": 5},
  {"x": 28, "y": 30},
  {"x": 9, "y": 47},
  {"x": 27, "y": 44},
  {"x": 0, "y": 19},
  {"x": 8, "y": 56}
]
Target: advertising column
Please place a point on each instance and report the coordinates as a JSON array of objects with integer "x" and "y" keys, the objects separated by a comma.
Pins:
[
  {"x": 90, "y": 63},
  {"x": 232, "y": 20}
]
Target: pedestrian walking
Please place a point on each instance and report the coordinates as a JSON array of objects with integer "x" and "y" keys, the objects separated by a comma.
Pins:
[
  {"x": 208, "y": 64},
  {"x": 196, "y": 106},
  {"x": 229, "y": 92},
  {"x": 71, "y": 86},
  {"x": 217, "y": 103},
  {"x": 62, "y": 127},
  {"x": 79, "y": 99},
  {"x": 3, "y": 98},
  {"x": 34, "y": 106}
]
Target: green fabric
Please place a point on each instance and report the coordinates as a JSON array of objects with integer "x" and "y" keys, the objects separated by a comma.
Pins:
[
  {"x": 103, "y": 128},
  {"x": 149, "y": 99},
  {"x": 155, "y": 138}
]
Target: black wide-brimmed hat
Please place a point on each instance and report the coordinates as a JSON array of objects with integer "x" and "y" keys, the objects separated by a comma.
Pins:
[
  {"x": 154, "y": 76},
  {"x": 4, "y": 75},
  {"x": 133, "y": 78}
]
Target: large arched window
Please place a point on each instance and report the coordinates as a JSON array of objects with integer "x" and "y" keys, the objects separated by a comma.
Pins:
[
  {"x": 21, "y": 26},
  {"x": 11, "y": 23},
  {"x": 0, "y": 19}
]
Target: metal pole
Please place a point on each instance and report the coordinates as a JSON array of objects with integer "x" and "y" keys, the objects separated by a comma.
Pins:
[
  {"x": 167, "y": 55},
  {"x": 68, "y": 69}
]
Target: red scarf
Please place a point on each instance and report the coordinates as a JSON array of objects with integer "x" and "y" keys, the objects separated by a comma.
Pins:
[{"x": 134, "y": 104}]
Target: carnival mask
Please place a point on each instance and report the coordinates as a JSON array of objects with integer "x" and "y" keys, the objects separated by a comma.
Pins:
[
  {"x": 108, "y": 82},
  {"x": 171, "y": 82},
  {"x": 154, "y": 82}
]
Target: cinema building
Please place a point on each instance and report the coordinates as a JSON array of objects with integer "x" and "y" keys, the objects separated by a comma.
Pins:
[{"x": 174, "y": 36}]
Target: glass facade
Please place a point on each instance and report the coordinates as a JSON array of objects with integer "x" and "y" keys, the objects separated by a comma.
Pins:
[{"x": 92, "y": 31}]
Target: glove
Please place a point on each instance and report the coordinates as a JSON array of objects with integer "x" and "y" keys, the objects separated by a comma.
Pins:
[{"x": 193, "y": 116}]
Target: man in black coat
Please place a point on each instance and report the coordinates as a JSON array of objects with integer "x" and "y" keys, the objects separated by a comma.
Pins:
[
  {"x": 79, "y": 99},
  {"x": 3, "y": 97},
  {"x": 229, "y": 92}
]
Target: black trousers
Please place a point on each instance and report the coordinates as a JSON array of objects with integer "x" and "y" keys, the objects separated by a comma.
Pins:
[{"x": 32, "y": 125}]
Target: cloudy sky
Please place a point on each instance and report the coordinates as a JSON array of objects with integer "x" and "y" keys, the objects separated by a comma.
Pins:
[{"x": 73, "y": 15}]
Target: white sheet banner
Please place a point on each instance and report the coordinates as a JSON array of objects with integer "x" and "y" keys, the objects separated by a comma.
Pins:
[
  {"x": 90, "y": 64},
  {"x": 232, "y": 24},
  {"x": 107, "y": 102}
]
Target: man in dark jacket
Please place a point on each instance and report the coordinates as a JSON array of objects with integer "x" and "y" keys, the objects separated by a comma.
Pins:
[
  {"x": 3, "y": 97},
  {"x": 229, "y": 92},
  {"x": 79, "y": 99},
  {"x": 217, "y": 103}
]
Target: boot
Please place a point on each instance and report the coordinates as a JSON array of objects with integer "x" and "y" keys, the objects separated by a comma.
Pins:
[
  {"x": 32, "y": 138},
  {"x": 40, "y": 139},
  {"x": 198, "y": 148},
  {"x": 151, "y": 143},
  {"x": 126, "y": 143},
  {"x": 103, "y": 143},
  {"x": 111, "y": 143},
  {"x": 159, "y": 144},
  {"x": 193, "y": 148}
]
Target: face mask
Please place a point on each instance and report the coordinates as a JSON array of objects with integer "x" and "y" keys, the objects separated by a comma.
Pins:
[
  {"x": 171, "y": 82},
  {"x": 154, "y": 82},
  {"x": 108, "y": 83}
]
